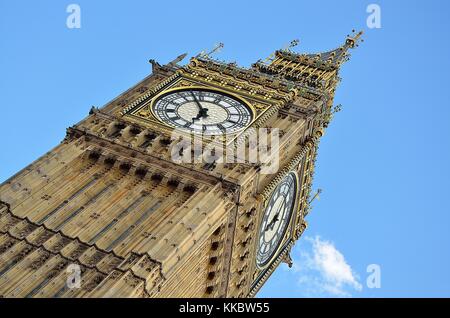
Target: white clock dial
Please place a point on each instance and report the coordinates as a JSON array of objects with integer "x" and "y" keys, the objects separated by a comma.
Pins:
[
  {"x": 276, "y": 218},
  {"x": 203, "y": 111}
]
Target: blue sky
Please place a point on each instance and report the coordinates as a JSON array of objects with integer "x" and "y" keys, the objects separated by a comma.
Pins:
[{"x": 383, "y": 164}]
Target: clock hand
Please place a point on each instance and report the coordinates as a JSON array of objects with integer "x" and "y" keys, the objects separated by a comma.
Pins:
[
  {"x": 271, "y": 225},
  {"x": 199, "y": 115},
  {"x": 196, "y": 101},
  {"x": 202, "y": 112},
  {"x": 274, "y": 220}
]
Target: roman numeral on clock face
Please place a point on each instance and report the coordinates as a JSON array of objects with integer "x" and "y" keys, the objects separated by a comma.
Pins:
[
  {"x": 220, "y": 126},
  {"x": 276, "y": 219},
  {"x": 210, "y": 112}
]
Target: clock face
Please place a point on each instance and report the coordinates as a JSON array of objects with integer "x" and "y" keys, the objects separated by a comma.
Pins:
[
  {"x": 202, "y": 111},
  {"x": 276, "y": 218}
]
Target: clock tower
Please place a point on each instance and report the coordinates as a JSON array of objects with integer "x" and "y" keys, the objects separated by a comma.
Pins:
[{"x": 127, "y": 206}]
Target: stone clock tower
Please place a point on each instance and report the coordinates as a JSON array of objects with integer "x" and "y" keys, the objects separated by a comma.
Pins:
[{"x": 109, "y": 212}]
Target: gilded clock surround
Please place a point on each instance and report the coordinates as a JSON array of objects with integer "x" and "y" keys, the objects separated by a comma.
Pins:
[
  {"x": 110, "y": 200},
  {"x": 141, "y": 110},
  {"x": 150, "y": 106},
  {"x": 289, "y": 229}
]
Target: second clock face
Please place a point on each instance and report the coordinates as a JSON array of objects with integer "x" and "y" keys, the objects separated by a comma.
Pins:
[
  {"x": 202, "y": 111},
  {"x": 276, "y": 218}
]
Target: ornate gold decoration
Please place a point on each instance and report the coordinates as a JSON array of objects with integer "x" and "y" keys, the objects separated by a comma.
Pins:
[{"x": 111, "y": 200}]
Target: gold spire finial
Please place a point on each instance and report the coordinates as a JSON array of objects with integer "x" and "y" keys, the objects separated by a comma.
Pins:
[
  {"x": 217, "y": 48},
  {"x": 353, "y": 40},
  {"x": 287, "y": 47},
  {"x": 292, "y": 44},
  {"x": 316, "y": 196},
  {"x": 177, "y": 59}
]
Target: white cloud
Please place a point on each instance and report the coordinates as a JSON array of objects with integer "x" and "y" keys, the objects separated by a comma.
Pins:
[{"x": 322, "y": 270}]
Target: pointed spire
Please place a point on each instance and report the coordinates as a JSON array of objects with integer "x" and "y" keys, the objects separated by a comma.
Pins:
[
  {"x": 353, "y": 40},
  {"x": 217, "y": 48},
  {"x": 287, "y": 48},
  {"x": 177, "y": 59},
  {"x": 339, "y": 55},
  {"x": 293, "y": 43},
  {"x": 314, "y": 70}
]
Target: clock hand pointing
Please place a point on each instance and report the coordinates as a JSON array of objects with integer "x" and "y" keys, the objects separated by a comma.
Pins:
[
  {"x": 199, "y": 115},
  {"x": 271, "y": 225},
  {"x": 275, "y": 219},
  {"x": 202, "y": 112}
]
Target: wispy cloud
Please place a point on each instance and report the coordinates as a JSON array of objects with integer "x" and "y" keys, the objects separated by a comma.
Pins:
[{"x": 322, "y": 270}]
